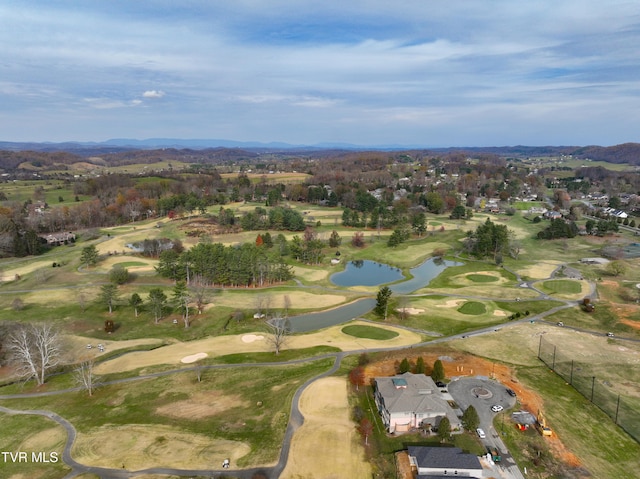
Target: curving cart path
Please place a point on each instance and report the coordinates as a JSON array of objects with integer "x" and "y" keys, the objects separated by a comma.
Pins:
[{"x": 296, "y": 419}]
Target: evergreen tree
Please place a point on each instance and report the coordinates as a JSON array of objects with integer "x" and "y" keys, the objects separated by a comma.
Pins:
[
  {"x": 157, "y": 303},
  {"x": 470, "y": 419},
  {"x": 420, "y": 365},
  {"x": 438, "y": 371},
  {"x": 135, "y": 302},
  {"x": 382, "y": 301},
  {"x": 109, "y": 294},
  {"x": 444, "y": 429},
  {"x": 89, "y": 255},
  {"x": 405, "y": 366},
  {"x": 334, "y": 239}
]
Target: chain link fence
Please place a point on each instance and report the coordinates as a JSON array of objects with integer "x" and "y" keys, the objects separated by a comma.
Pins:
[{"x": 597, "y": 390}]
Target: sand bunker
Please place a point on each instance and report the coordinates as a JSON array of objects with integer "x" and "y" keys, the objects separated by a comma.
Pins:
[
  {"x": 250, "y": 338},
  {"x": 410, "y": 310},
  {"x": 500, "y": 313},
  {"x": 452, "y": 303},
  {"x": 193, "y": 358}
]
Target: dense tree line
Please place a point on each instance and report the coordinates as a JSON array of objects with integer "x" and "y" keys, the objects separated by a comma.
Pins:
[
  {"x": 489, "y": 239},
  {"x": 216, "y": 264},
  {"x": 559, "y": 228},
  {"x": 276, "y": 218}
]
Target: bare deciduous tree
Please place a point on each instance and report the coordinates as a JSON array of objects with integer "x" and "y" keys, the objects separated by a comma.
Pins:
[
  {"x": 287, "y": 305},
  {"x": 280, "y": 329},
  {"x": 82, "y": 300},
  {"x": 403, "y": 305},
  {"x": 85, "y": 376},
  {"x": 201, "y": 293},
  {"x": 35, "y": 350}
]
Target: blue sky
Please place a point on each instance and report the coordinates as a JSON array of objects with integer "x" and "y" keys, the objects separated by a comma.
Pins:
[{"x": 423, "y": 72}]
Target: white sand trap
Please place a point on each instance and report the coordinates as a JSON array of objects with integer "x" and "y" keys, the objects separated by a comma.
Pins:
[
  {"x": 452, "y": 303},
  {"x": 250, "y": 338},
  {"x": 193, "y": 358},
  {"x": 499, "y": 312},
  {"x": 410, "y": 310}
]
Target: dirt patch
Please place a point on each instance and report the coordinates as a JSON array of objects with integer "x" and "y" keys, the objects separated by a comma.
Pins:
[
  {"x": 138, "y": 446},
  {"x": 325, "y": 407},
  {"x": 201, "y": 405}
]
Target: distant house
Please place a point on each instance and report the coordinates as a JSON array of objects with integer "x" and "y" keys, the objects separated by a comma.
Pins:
[
  {"x": 59, "y": 239},
  {"x": 440, "y": 462},
  {"x": 553, "y": 215},
  {"x": 408, "y": 401}
]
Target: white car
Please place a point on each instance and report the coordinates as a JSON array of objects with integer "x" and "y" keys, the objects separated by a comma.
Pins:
[
  {"x": 497, "y": 408},
  {"x": 480, "y": 433}
]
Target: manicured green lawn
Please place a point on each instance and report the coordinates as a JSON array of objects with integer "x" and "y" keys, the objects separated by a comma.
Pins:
[
  {"x": 472, "y": 307},
  {"x": 562, "y": 286},
  {"x": 481, "y": 278},
  {"x": 369, "y": 332}
]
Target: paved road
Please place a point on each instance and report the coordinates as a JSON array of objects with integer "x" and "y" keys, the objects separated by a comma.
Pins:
[
  {"x": 482, "y": 393},
  {"x": 296, "y": 419}
]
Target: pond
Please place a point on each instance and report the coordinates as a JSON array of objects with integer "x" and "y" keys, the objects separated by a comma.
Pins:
[
  {"x": 366, "y": 273},
  {"x": 313, "y": 321},
  {"x": 422, "y": 276}
]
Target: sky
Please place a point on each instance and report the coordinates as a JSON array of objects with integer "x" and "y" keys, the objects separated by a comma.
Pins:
[{"x": 426, "y": 73}]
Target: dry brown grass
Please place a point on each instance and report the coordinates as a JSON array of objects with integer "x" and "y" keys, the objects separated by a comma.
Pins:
[
  {"x": 223, "y": 345},
  {"x": 201, "y": 405},
  {"x": 327, "y": 445},
  {"x": 138, "y": 446}
]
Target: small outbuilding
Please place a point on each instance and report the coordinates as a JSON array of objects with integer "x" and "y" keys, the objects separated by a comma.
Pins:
[{"x": 440, "y": 462}]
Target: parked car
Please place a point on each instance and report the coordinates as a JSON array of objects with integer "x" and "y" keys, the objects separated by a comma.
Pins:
[
  {"x": 511, "y": 392},
  {"x": 496, "y": 408},
  {"x": 440, "y": 384},
  {"x": 610, "y": 335},
  {"x": 481, "y": 433}
]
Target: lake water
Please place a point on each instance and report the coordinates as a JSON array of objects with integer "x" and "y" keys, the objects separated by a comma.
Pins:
[
  {"x": 366, "y": 273},
  {"x": 324, "y": 319},
  {"x": 422, "y": 276}
]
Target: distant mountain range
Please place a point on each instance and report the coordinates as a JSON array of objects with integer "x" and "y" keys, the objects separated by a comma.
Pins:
[{"x": 624, "y": 153}]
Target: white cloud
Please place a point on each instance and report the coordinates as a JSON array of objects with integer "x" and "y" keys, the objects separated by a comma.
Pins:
[
  {"x": 110, "y": 103},
  {"x": 153, "y": 94}
]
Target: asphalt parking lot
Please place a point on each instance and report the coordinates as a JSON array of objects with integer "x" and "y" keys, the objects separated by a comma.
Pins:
[{"x": 482, "y": 394}]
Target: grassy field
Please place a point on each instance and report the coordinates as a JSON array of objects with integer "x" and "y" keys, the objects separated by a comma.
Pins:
[
  {"x": 217, "y": 416},
  {"x": 369, "y": 332},
  {"x": 162, "y": 412}
]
